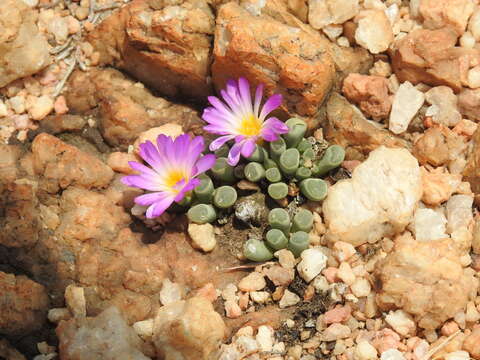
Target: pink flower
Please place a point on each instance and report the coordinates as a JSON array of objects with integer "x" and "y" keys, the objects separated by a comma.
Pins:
[
  {"x": 174, "y": 164},
  {"x": 238, "y": 119}
]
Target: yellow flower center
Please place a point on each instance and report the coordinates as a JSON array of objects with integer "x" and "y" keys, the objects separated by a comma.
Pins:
[
  {"x": 174, "y": 177},
  {"x": 250, "y": 126}
]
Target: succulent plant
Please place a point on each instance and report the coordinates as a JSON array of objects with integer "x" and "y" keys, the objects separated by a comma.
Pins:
[
  {"x": 224, "y": 197},
  {"x": 202, "y": 213}
]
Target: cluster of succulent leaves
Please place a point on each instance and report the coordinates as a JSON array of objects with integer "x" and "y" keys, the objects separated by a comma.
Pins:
[{"x": 293, "y": 161}]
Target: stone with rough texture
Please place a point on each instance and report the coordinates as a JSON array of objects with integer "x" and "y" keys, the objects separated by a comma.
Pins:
[
  {"x": 365, "y": 351},
  {"x": 443, "y": 109},
  {"x": 471, "y": 172},
  {"x": 23, "y": 304},
  {"x": 370, "y": 93},
  {"x": 377, "y": 201},
  {"x": 203, "y": 236},
  {"x": 325, "y": 12},
  {"x": 125, "y": 108},
  {"x": 432, "y": 147},
  {"x": 104, "y": 337},
  {"x": 471, "y": 343},
  {"x": 438, "y": 186},
  {"x": 348, "y": 127},
  {"x": 188, "y": 329},
  {"x": 24, "y": 50},
  {"x": 313, "y": 262},
  {"x": 252, "y": 282},
  {"x": 406, "y": 103},
  {"x": 284, "y": 57},
  {"x": 438, "y": 14},
  {"x": 374, "y": 31},
  {"x": 425, "y": 280},
  {"x": 469, "y": 103},
  {"x": 165, "y": 45},
  {"x": 8, "y": 352},
  {"x": 401, "y": 322},
  {"x": 429, "y": 225},
  {"x": 430, "y": 57},
  {"x": 288, "y": 299}
]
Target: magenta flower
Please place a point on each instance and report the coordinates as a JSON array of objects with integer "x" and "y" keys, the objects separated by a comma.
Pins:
[
  {"x": 240, "y": 120},
  {"x": 174, "y": 166}
]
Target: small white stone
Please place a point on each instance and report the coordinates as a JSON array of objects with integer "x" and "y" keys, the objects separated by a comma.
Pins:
[
  {"x": 345, "y": 273},
  {"x": 472, "y": 315},
  {"x": 57, "y": 314},
  {"x": 260, "y": 297},
  {"x": 333, "y": 31},
  {"x": 474, "y": 77},
  {"x": 278, "y": 348},
  {"x": 401, "y": 322},
  {"x": 467, "y": 40},
  {"x": 364, "y": 351},
  {"x": 58, "y": 26},
  {"x": 374, "y": 31},
  {"x": 246, "y": 345},
  {"x": 229, "y": 293},
  {"x": 170, "y": 292},
  {"x": 203, "y": 236},
  {"x": 406, "y": 103},
  {"x": 320, "y": 283},
  {"x": 31, "y": 3},
  {"x": 17, "y": 103},
  {"x": 392, "y": 354},
  {"x": 459, "y": 212},
  {"x": 335, "y": 331},
  {"x": 343, "y": 250},
  {"x": 252, "y": 282},
  {"x": 41, "y": 107},
  {"x": 285, "y": 258},
  {"x": 457, "y": 355},
  {"x": 361, "y": 287},
  {"x": 75, "y": 299},
  {"x": 144, "y": 328},
  {"x": 3, "y": 109},
  {"x": 288, "y": 299},
  {"x": 429, "y": 225},
  {"x": 313, "y": 262},
  {"x": 265, "y": 338}
]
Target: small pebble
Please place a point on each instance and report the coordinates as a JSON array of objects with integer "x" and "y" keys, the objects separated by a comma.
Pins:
[
  {"x": 345, "y": 273},
  {"x": 252, "y": 282},
  {"x": 365, "y": 351},
  {"x": 203, "y": 236},
  {"x": 41, "y": 107},
  {"x": 288, "y": 299},
  {"x": 265, "y": 338},
  {"x": 170, "y": 292}
]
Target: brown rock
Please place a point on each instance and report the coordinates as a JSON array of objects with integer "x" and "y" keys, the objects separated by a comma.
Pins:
[
  {"x": 265, "y": 50},
  {"x": 425, "y": 279},
  {"x": 24, "y": 50},
  {"x": 430, "y": 56},
  {"x": 165, "y": 45},
  {"x": 472, "y": 169},
  {"x": 469, "y": 103},
  {"x": 55, "y": 124},
  {"x": 472, "y": 343},
  {"x": 188, "y": 329},
  {"x": 63, "y": 165},
  {"x": 9, "y": 154},
  {"x": 454, "y": 14},
  {"x": 24, "y": 305},
  {"x": 438, "y": 186},
  {"x": 279, "y": 275},
  {"x": 370, "y": 93},
  {"x": 349, "y": 60},
  {"x": 348, "y": 127},
  {"x": 432, "y": 147},
  {"x": 105, "y": 337},
  {"x": 8, "y": 352},
  {"x": 124, "y": 108}
]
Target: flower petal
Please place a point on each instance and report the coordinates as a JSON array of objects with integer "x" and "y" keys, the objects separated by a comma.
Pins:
[
  {"x": 204, "y": 164},
  {"x": 248, "y": 147},
  {"x": 269, "y": 135},
  {"x": 271, "y": 104},
  {"x": 193, "y": 183},
  {"x": 276, "y": 125},
  {"x": 258, "y": 99},
  {"x": 234, "y": 154},
  {"x": 219, "y": 142},
  {"x": 159, "y": 207},
  {"x": 150, "y": 198}
]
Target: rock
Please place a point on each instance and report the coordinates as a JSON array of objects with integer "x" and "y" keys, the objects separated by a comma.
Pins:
[
  {"x": 172, "y": 130},
  {"x": 345, "y": 273},
  {"x": 457, "y": 355},
  {"x": 63, "y": 165},
  {"x": 24, "y": 305},
  {"x": 325, "y": 12},
  {"x": 288, "y": 299},
  {"x": 106, "y": 336},
  {"x": 401, "y": 322},
  {"x": 41, "y": 107},
  {"x": 453, "y": 14},
  {"x": 469, "y": 103},
  {"x": 392, "y": 354},
  {"x": 471, "y": 314},
  {"x": 265, "y": 338},
  {"x": 429, "y": 225},
  {"x": 56, "y": 124},
  {"x": 361, "y": 287},
  {"x": 232, "y": 309},
  {"x": 349, "y": 60},
  {"x": 427, "y": 279},
  {"x": 125, "y": 109},
  {"x": 166, "y": 46},
  {"x": 374, "y": 31},
  {"x": 188, "y": 329},
  {"x": 260, "y": 297},
  {"x": 430, "y": 57},
  {"x": 282, "y": 56},
  {"x": 432, "y": 147},
  {"x": 334, "y": 332},
  {"x": 118, "y": 161},
  {"x": 471, "y": 343},
  {"x": 144, "y": 328},
  {"x": 75, "y": 299},
  {"x": 443, "y": 109},
  {"x": 9, "y": 154},
  {"x": 170, "y": 293},
  {"x": 459, "y": 212},
  {"x": 24, "y": 50},
  {"x": 203, "y": 236},
  {"x": 279, "y": 275},
  {"x": 348, "y": 127},
  {"x": 364, "y": 351},
  {"x": 8, "y": 352},
  {"x": 465, "y": 128},
  {"x": 370, "y": 93},
  {"x": 55, "y": 315},
  {"x": 312, "y": 263},
  {"x": 285, "y": 258},
  {"x": 438, "y": 186},
  {"x": 406, "y": 103},
  {"x": 337, "y": 315},
  {"x": 471, "y": 172},
  {"x": 252, "y": 282},
  {"x": 377, "y": 201},
  {"x": 343, "y": 251}
]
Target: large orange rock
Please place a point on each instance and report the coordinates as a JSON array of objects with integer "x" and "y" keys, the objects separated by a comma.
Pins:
[
  {"x": 165, "y": 47},
  {"x": 431, "y": 57},
  {"x": 453, "y": 14},
  {"x": 288, "y": 59}
]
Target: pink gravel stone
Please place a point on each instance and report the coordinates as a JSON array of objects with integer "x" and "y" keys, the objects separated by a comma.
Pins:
[{"x": 337, "y": 315}]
